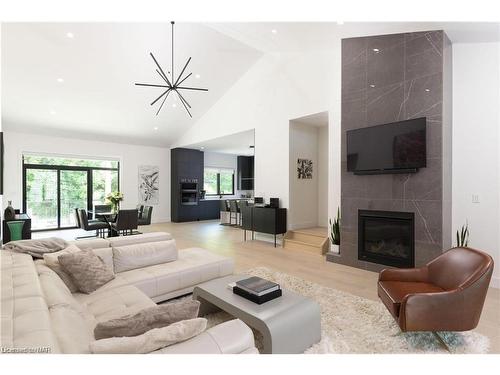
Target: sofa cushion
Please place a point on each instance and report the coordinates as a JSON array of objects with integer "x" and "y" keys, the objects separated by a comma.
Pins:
[
  {"x": 139, "y": 238},
  {"x": 55, "y": 291},
  {"x": 392, "y": 293},
  {"x": 147, "y": 319},
  {"x": 86, "y": 269},
  {"x": 25, "y": 318},
  {"x": 231, "y": 337},
  {"x": 151, "y": 340},
  {"x": 72, "y": 330},
  {"x": 168, "y": 280},
  {"x": 94, "y": 243},
  {"x": 141, "y": 255},
  {"x": 106, "y": 304},
  {"x": 106, "y": 255}
]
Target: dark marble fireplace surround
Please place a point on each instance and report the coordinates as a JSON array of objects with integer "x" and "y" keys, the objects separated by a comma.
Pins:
[{"x": 389, "y": 78}]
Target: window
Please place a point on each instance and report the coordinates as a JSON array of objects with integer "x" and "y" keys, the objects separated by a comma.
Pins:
[
  {"x": 218, "y": 181},
  {"x": 54, "y": 186}
]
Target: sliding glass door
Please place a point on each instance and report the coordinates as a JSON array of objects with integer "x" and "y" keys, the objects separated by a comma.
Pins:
[
  {"x": 41, "y": 198},
  {"x": 73, "y": 187},
  {"x": 54, "y": 187}
]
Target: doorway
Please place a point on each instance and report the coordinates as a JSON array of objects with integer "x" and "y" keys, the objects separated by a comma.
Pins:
[{"x": 308, "y": 190}]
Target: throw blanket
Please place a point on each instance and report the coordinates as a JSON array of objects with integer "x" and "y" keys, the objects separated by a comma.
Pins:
[{"x": 36, "y": 248}]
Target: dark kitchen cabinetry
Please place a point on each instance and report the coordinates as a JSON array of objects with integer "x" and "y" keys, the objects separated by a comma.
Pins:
[
  {"x": 209, "y": 209},
  {"x": 186, "y": 183},
  {"x": 245, "y": 178}
]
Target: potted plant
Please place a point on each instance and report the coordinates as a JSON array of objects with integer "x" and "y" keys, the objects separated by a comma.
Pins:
[
  {"x": 335, "y": 233},
  {"x": 114, "y": 198},
  {"x": 463, "y": 236}
]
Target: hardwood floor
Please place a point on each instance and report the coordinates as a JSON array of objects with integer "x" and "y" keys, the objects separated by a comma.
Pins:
[{"x": 228, "y": 241}]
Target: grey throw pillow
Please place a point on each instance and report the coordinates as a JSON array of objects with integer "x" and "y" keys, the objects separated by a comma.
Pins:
[
  {"x": 147, "y": 319},
  {"x": 87, "y": 270}
]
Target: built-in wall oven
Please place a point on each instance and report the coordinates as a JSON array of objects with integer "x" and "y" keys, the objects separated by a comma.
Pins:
[{"x": 189, "y": 191}]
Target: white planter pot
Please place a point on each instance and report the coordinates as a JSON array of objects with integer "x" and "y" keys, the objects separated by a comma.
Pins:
[{"x": 335, "y": 249}]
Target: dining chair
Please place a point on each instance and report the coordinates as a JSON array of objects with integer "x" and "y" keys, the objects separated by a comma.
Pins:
[
  {"x": 145, "y": 215},
  {"x": 126, "y": 221},
  {"x": 87, "y": 225}
]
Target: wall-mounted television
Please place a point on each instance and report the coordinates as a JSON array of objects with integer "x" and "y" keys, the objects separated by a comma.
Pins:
[{"x": 396, "y": 147}]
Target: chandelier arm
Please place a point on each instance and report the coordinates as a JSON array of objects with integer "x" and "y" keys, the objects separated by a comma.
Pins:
[
  {"x": 152, "y": 85},
  {"x": 163, "y": 102},
  {"x": 163, "y": 78},
  {"x": 182, "y": 72},
  {"x": 189, "y": 113},
  {"x": 161, "y": 70},
  {"x": 182, "y": 98},
  {"x": 186, "y": 77},
  {"x": 161, "y": 96},
  {"x": 190, "y": 88}
]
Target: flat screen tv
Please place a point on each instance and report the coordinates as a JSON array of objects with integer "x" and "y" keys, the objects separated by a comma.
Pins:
[{"x": 397, "y": 147}]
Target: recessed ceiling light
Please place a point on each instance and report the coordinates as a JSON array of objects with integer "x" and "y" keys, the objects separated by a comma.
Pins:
[
  {"x": 197, "y": 76},
  {"x": 70, "y": 35},
  {"x": 427, "y": 90},
  {"x": 376, "y": 50},
  {"x": 174, "y": 105},
  {"x": 202, "y": 148},
  {"x": 60, "y": 80},
  {"x": 372, "y": 86},
  {"x": 155, "y": 128},
  {"x": 52, "y": 112},
  {"x": 340, "y": 22},
  {"x": 274, "y": 31}
]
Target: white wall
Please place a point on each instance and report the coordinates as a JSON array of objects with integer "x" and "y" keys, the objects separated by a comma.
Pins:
[
  {"x": 130, "y": 156},
  {"x": 323, "y": 176},
  {"x": 303, "y": 201},
  {"x": 278, "y": 88},
  {"x": 476, "y": 151}
]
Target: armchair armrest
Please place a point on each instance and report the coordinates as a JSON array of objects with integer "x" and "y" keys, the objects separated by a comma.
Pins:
[
  {"x": 439, "y": 311},
  {"x": 404, "y": 274}
]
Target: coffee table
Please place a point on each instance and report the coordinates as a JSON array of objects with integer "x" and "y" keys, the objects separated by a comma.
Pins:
[{"x": 288, "y": 324}]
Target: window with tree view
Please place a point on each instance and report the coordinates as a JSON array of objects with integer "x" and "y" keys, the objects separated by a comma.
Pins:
[
  {"x": 54, "y": 186},
  {"x": 218, "y": 181}
]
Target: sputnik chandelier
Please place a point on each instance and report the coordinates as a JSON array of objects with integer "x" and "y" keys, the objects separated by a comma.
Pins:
[{"x": 174, "y": 85}]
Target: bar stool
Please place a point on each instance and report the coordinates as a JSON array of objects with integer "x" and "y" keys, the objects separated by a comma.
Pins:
[
  {"x": 223, "y": 207},
  {"x": 241, "y": 204},
  {"x": 233, "y": 209}
]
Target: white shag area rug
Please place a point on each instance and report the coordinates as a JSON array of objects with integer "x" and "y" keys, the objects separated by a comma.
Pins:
[{"x": 351, "y": 324}]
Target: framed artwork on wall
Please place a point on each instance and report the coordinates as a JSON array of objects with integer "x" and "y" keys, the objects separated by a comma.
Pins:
[
  {"x": 149, "y": 184},
  {"x": 304, "y": 169}
]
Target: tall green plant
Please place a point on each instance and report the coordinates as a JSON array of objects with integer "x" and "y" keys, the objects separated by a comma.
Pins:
[
  {"x": 463, "y": 236},
  {"x": 335, "y": 229}
]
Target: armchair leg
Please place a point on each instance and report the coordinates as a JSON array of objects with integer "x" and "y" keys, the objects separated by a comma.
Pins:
[{"x": 441, "y": 341}]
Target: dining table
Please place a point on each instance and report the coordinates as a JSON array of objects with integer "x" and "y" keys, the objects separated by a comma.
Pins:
[{"x": 108, "y": 217}]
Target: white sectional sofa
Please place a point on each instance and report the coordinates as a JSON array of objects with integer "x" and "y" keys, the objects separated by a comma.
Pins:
[{"x": 38, "y": 311}]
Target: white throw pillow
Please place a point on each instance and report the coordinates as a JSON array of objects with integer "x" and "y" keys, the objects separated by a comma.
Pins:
[
  {"x": 152, "y": 340},
  {"x": 141, "y": 255}
]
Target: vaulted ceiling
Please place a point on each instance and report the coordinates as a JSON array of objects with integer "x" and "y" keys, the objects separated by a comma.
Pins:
[{"x": 77, "y": 79}]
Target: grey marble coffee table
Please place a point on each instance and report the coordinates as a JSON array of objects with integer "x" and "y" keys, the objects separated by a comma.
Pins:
[{"x": 288, "y": 324}]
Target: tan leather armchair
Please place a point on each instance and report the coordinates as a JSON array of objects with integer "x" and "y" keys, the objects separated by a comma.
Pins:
[{"x": 447, "y": 294}]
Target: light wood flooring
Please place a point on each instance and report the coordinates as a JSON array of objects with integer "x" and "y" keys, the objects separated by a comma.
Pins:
[{"x": 228, "y": 241}]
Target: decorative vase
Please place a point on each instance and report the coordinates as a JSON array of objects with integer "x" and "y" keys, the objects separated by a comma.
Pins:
[{"x": 9, "y": 213}]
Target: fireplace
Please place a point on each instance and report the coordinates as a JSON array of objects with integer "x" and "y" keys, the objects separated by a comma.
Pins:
[{"x": 386, "y": 237}]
